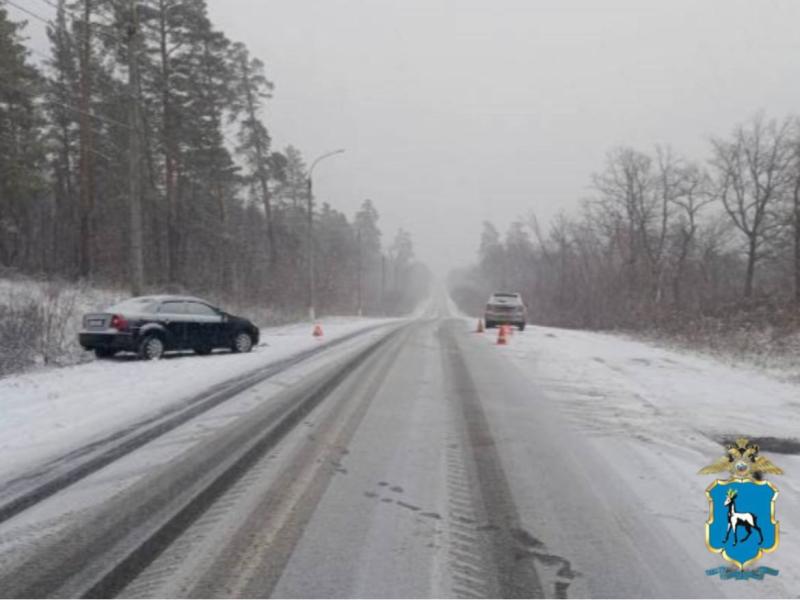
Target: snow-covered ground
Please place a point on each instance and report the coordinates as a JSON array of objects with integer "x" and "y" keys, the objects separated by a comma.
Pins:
[
  {"x": 40, "y": 320},
  {"x": 47, "y": 412},
  {"x": 618, "y": 386},
  {"x": 657, "y": 416}
]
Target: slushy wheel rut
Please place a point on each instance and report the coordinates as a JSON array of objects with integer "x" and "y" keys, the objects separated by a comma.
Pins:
[
  {"x": 103, "y": 553},
  {"x": 478, "y": 476},
  {"x": 19, "y": 494},
  {"x": 467, "y": 550}
]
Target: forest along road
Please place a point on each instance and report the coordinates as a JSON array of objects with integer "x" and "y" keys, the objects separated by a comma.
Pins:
[{"x": 423, "y": 463}]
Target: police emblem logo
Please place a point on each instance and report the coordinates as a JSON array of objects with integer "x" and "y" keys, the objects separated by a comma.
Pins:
[{"x": 741, "y": 525}]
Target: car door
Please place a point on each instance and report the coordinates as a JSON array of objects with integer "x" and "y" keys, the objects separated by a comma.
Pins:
[
  {"x": 172, "y": 316},
  {"x": 204, "y": 325}
]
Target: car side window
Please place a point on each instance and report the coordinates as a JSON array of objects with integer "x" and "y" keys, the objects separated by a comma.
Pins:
[
  {"x": 172, "y": 308},
  {"x": 196, "y": 308}
]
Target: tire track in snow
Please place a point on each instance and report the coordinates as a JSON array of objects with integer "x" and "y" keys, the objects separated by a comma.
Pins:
[
  {"x": 23, "y": 492},
  {"x": 487, "y": 531}
]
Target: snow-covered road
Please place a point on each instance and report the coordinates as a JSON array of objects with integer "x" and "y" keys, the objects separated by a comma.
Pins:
[
  {"x": 48, "y": 412},
  {"x": 642, "y": 420},
  {"x": 429, "y": 462}
]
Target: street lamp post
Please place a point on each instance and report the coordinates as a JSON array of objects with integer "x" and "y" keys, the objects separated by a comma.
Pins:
[{"x": 310, "y": 229}]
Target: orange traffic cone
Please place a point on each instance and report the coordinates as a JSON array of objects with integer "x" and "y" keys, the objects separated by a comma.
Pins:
[
  {"x": 501, "y": 336},
  {"x": 480, "y": 326},
  {"x": 317, "y": 331}
]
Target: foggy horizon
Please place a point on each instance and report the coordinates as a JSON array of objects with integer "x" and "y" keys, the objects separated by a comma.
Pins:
[
  {"x": 457, "y": 112},
  {"x": 452, "y": 113}
]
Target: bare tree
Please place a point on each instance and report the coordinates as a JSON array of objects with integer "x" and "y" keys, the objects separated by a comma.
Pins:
[
  {"x": 752, "y": 172},
  {"x": 795, "y": 200},
  {"x": 662, "y": 229},
  {"x": 632, "y": 203},
  {"x": 689, "y": 193}
]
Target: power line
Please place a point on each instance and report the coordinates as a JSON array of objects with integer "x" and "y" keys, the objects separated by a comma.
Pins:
[
  {"x": 62, "y": 85},
  {"x": 76, "y": 16},
  {"x": 230, "y": 141},
  {"x": 49, "y": 22},
  {"x": 49, "y": 3},
  {"x": 40, "y": 53},
  {"x": 106, "y": 120},
  {"x": 29, "y": 13}
]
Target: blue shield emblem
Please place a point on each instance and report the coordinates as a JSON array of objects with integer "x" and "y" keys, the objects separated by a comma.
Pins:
[{"x": 741, "y": 525}]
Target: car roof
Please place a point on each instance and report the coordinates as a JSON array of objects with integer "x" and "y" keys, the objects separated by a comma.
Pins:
[{"x": 169, "y": 297}]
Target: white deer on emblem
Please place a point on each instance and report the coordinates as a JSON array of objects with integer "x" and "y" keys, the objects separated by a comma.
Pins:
[{"x": 735, "y": 519}]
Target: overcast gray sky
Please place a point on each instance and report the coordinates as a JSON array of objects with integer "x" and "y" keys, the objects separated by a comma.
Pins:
[{"x": 453, "y": 112}]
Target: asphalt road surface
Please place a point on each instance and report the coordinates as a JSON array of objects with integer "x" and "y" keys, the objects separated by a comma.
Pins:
[{"x": 414, "y": 463}]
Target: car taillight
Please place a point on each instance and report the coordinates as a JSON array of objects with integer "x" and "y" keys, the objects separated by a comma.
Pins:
[{"x": 119, "y": 323}]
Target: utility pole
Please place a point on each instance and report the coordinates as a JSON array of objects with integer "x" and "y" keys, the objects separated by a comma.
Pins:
[
  {"x": 360, "y": 274},
  {"x": 312, "y": 313},
  {"x": 135, "y": 153},
  {"x": 310, "y": 249},
  {"x": 383, "y": 283}
]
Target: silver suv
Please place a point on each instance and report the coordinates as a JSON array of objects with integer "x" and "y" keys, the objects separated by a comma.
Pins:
[{"x": 506, "y": 308}]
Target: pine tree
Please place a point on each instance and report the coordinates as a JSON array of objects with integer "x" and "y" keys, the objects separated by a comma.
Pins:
[
  {"x": 70, "y": 191},
  {"x": 209, "y": 176},
  {"x": 172, "y": 37},
  {"x": 62, "y": 137},
  {"x": 491, "y": 255},
  {"x": 22, "y": 190},
  {"x": 335, "y": 260},
  {"x": 86, "y": 166},
  {"x": 368, "y": 239},
  {"x": 251, "y": 89}
]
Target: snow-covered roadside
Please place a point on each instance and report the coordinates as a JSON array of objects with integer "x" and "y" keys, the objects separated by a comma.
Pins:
[
  {"x": 47, "y": 412},
  {"x": 619, "y": 385},
  {"x": 656, "y": 416},
  {"x": 40, "y": 321}
]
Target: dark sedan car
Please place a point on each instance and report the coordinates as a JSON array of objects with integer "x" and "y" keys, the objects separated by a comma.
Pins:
[{"x": 152, "y": 325}]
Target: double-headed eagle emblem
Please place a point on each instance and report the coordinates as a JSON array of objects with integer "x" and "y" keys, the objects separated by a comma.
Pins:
[
  {"x": 744, "y": 503},
  {"x": 742, "y": 460}
]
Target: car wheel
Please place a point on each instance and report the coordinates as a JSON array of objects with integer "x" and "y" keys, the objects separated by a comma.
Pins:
[
  {"x": 521, "y": 326},
  {"x": 489, "y": 324},
  {"x": 242, "y": 342},
  {"x": 104, "y": 352},
  {"x": 203, "y": 350},
  {"x": 151, "y": 348}
]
